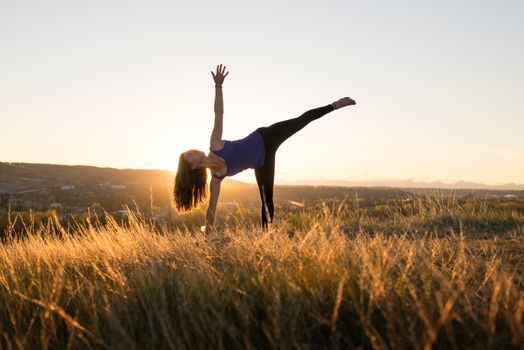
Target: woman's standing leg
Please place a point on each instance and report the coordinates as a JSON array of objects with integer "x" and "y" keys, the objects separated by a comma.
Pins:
[{"x": 265, "y": 180}]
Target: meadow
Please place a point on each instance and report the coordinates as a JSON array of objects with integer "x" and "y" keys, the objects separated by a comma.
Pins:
[{"x": 434, "y": 271}]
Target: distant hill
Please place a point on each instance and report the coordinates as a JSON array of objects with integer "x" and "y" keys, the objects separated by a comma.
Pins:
[
  {"x": 22, "y": 177},
  {"x": 16, "y": 177}
]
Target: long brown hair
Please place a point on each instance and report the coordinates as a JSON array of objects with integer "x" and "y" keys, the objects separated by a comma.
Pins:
[{"x": 190, "y": 186}]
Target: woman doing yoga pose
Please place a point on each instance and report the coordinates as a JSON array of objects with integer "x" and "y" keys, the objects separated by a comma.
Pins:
[{"x": 227, "y": 158}]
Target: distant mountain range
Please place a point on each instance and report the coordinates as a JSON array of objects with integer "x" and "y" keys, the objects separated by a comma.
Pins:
[
  {"x": 410, "y": 184},
  {"x": 27, "y": 176}
]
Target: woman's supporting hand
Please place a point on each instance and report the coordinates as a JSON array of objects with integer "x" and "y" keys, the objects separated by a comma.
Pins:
[{"x": 219, "y": 76}]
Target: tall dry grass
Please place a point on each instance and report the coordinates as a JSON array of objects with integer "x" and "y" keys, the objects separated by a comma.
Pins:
[{"x": 309, "y": 282}]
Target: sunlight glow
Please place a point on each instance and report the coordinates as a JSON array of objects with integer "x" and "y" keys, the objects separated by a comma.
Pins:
[{"x": 128, "y": 85}]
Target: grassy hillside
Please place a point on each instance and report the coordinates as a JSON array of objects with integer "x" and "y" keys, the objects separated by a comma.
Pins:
[{"x": 325, "y": 277}]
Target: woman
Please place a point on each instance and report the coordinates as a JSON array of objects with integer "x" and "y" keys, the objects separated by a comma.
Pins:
[{"x": 227, "y": 158}]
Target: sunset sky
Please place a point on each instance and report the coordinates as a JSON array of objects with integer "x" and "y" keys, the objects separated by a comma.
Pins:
[{"x": 439, "y": 84}]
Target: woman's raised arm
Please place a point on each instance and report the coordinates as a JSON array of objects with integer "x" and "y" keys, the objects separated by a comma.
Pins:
[{"x": 216, "y": 135}]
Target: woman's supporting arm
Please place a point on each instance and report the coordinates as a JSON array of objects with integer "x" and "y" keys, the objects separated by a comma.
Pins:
[{"x": 214, "y": 189}]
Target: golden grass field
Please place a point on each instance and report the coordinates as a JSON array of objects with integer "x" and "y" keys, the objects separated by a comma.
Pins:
[{"x": 327, "y": 277}]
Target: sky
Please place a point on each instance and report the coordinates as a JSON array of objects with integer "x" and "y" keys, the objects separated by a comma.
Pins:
[{"x": 127, "y": 84}]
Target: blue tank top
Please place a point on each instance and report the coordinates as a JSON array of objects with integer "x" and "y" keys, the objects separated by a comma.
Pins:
[{"x": 242, "y": 154}]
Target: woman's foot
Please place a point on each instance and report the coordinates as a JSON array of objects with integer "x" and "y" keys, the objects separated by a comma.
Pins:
[{"x": 343, "y": 102}]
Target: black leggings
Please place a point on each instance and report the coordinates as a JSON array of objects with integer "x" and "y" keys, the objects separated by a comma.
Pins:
[{"x": 273, "y": 137}]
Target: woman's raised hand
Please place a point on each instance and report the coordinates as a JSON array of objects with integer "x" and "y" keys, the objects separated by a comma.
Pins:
[{"x": 219, "y": 76}]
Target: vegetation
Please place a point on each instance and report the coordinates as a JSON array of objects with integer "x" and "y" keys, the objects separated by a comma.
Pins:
[{"x": 429, "y": 272}]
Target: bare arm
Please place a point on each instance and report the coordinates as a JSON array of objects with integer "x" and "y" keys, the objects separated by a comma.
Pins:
[
  {"x": 216, "y": 135},
  {"x": 214, "y": 189},
  {"x": 216, "y": 142},
  {"x": 219, "y": 101}
]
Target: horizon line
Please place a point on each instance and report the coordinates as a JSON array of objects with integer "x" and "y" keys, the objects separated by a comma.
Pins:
[{"x": 336, "y": 182}]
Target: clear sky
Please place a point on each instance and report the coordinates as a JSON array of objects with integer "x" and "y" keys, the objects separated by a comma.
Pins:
[{"x": 127, "y": 84}]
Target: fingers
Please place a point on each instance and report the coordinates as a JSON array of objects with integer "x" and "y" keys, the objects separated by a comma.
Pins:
[{"x": 220, "y": 70}]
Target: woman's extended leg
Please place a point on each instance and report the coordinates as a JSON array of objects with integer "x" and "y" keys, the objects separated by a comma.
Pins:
[
  {"x": 277, "y": 133},
  {"x": 273, "y": 137}
]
